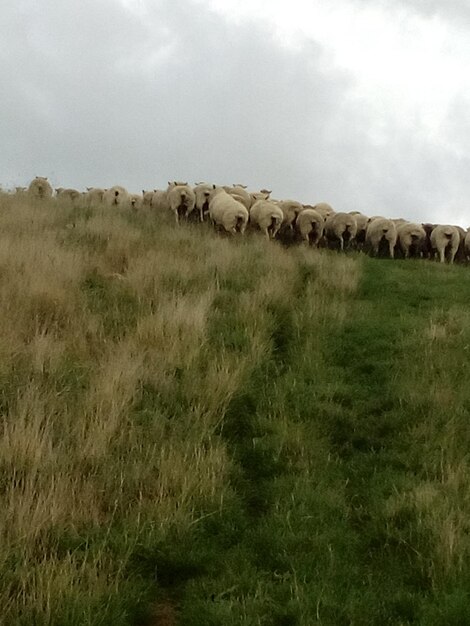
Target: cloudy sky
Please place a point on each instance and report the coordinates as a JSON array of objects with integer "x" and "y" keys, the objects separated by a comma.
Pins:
[{"x": 360, "y": 103}]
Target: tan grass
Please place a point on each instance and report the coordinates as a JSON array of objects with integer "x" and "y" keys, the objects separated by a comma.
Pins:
[{"x": 78, "y": 453}]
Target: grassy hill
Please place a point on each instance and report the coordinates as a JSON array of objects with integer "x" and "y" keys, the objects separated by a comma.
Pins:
[{"x": 197, "y": 430}]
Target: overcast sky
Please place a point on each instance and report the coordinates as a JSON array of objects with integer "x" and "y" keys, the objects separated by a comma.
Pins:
[{"x": 360, "y": 103}]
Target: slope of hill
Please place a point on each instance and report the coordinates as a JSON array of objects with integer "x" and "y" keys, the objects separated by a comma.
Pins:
[{"x": 198, "y": 430}]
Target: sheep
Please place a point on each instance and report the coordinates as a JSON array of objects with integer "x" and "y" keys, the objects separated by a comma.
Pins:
[
  {"x": 94, "y": 196},
  {"x": 381, "y": 231},
  {"x": 411, "y": 239},
  {"x": 264, "y": 194},
  {"x": 20, "y": 191},
  {"x": 325, "y": 209},
  {"x": 116, "y": 196},
  {"x": 240, "y": 193},
  {"x": 467, "y": 244},
  {"x": 428, "y": 252},
  {"x": 290, "y": 210},
  {"x": 181, "y": 199},
  {"x": 362, "y": 222},
  {"x": 445, "y": 239},
  {"x": 147, "y": 197},
  {"x": 226, "y": 212},
  {"x": 267, "y": 216},
  {"x": 398, "y": 221},
  {"x": 71, "y": 196},
  {"x": 310, "y": 225},
  {"x": 160, "y": 200},
  {"x": 460, "y": 256},
  {"x": 202, "y": 192},
  {"x": 135, "y": 201},
  {"x": 342, "y": 228},
  {"x": 40, "y": 188}
]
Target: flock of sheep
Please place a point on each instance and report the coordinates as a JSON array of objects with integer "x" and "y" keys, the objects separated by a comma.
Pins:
[{"x": 232, "y": 209}]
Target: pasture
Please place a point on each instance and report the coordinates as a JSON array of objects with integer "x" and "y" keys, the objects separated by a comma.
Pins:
[{"x": 203, "y": 430}]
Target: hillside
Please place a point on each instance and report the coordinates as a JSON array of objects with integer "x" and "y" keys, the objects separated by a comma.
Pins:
[{"x": 199, "y": 430}]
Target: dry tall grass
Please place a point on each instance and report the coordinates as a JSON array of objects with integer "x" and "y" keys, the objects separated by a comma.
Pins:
[{"x": 111, "y": 392}]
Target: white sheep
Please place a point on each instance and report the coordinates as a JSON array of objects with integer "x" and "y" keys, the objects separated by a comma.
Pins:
[
  {"x": 264, "y": 194},
  {"x": 325, "y": 209},
  {"x": 381, "y": 230},
  {"x": 411, "y": 239},
  {"x": 445, "y": 240},
  {"x": 399, "y": 221},
  {"x": 94, "y": 196},
  {"x": 160, "y": 201},
  {"x": 240, "y": 193},
  {"x": 467, "y": 244},
  {"x": 362, "y": 221},
  {"x": 202, "y": 192},
  {"x": 342, "y": 228},
  {"x": 181, "y": 199},
  {"x": 460, "y": 256},
  {"x": 147, "y": 197},
  {"x": 135, "y": 201},
  {"x": 116, "y": 196},
  {"x": 40, "y": 188},
  {"x": 227, "y": 212},
  {"x": 310, "y": 225},
  {"x": 267, "y": 216},
  {"x": 71, "y": 196},
  {"x": 290, "y": 210}
]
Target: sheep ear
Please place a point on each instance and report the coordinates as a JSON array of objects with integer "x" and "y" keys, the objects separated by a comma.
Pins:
[{"x": 213, "y": 186}]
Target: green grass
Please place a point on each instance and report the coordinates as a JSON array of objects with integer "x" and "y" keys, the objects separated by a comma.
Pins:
[{"x": 197, "y": 430}]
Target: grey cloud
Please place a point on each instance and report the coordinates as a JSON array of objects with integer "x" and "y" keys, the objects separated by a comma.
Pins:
[
  {"x": 96, "y": 95},
  {"x": 457, "y": 11}
]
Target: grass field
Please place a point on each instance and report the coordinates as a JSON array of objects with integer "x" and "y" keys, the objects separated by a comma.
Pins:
[{"x": 204, "y": 431}]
